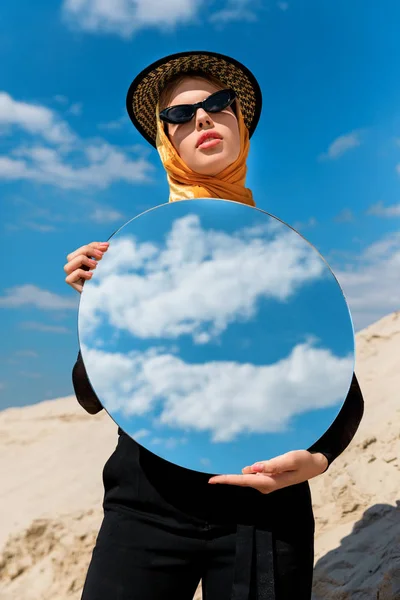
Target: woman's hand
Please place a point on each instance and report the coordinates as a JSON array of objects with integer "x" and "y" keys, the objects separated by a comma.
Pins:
[
  {"x": 81, "y": 263},
  {"x": 279, "y": 472}
]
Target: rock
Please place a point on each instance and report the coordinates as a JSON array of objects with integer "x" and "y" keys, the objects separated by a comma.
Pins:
[
  {"x": 366, "y": 564},
  {"x": 368, "y": 442}
]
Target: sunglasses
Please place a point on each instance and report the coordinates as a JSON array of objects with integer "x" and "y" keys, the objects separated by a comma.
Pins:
[{"x": 183, "y": 113}]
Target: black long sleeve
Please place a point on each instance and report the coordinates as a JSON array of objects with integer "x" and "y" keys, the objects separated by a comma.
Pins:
[
  {"x": 83, "y": 390},
  {"x": 339, "y": 435}
]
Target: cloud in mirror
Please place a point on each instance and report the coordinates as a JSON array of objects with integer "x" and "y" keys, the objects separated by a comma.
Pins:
[
  {"x": 215, "y": 335},
  {"x": 222, "y": 398},
  {"x": 196, "y": 281}
]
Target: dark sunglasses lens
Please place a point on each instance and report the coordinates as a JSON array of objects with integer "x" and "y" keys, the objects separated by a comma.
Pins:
[
  {"x": 218, "y": 101},
  {"x": 180, "y": 114}
]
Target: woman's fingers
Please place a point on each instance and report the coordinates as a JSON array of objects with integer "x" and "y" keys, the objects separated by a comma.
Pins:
[
  {"x": 78, "y": 274},
  {"x": 78, "y": 261},
  {"x": 260, "y": 481},
  {"x": 94, "y": 249},
  {"x": 77, "y": 278}
]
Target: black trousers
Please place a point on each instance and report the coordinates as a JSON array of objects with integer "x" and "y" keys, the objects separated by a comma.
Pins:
[{"x": 165, "y": 528}]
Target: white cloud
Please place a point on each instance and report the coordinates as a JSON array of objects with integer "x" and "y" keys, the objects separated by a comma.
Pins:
[
  {"x": 341, "y": 145},
  {"x": 44, "y": 220},
  {"x": 141, "y": 433},
  {"x": 235, "y": 10},
  {"x": 34, "y": 119},
  {"x": 283, "y": 5},
  {"x": 126, "y": 17},
  {"x": 31, "y": 295},
  {"x": 345, "y": 216},
  {"x": 170, "y": 442},
  {"x": 163, "y": 304},
  {"x": 34, "y": 217},
  {"x": 41, "y": 227},
  {"x": 99, "y": 166},
  {"x": 34, "y": 326},
  {"x": 176, "y": 288},
  {"x": 30, "y": 375},
  {"x": 61, "y": 99},
  {"x": 106, "y": 215},
  {"x": 299, "y": 225},
  {"x": 379, "y": 210},
  {"x": 240, "y": 398},
  {"x": 75, "y": 109},
  {"x": 49, "y": 166},
  {"x": 26, "y": 353},
  {"x": 114, "y": 125},
  {"x": 371, "y": 282}
]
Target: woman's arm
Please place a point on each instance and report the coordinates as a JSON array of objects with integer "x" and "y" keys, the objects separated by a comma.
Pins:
[
  {"x": 83, "y": 390},
  {"x": 339, "y": 435},
  {"x": 79, "y": 268}
]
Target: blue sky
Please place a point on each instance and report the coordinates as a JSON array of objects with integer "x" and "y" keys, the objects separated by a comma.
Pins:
[{"x": 325, "y": 157}]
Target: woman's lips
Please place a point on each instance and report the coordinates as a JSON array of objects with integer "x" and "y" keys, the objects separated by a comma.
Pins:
[{"x": 210, "y": 143}]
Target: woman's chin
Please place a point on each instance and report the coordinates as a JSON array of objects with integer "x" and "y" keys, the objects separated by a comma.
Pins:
[{"x": 212, "y": 166}]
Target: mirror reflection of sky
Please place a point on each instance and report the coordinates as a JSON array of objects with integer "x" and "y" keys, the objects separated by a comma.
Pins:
[{"x": 215, "y": 335}]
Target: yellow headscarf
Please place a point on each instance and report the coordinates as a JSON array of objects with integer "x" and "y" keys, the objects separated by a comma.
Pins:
[{"x": 185, "y": 183}]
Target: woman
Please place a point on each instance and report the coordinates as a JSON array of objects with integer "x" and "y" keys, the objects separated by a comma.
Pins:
[{"x": 166, "y": 527}]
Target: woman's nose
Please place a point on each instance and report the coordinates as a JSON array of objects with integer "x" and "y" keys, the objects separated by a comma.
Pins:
[{"x": 203, "y": 119}]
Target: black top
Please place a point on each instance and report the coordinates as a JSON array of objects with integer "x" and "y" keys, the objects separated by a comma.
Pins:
[
  {"x": 254, "y": 563},
  {"x": 332, "y": 443}
]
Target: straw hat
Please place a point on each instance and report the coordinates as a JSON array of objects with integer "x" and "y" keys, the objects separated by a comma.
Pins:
[{"x": 145, "y": 89}]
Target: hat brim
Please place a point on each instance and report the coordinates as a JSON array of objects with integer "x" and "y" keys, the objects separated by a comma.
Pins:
[{"x": 145, "y": 89}]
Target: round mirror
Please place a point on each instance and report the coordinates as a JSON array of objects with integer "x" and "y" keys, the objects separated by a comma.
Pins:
[{"x": 215, "y": 335}]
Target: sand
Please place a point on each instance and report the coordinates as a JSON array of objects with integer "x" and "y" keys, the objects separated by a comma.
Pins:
[{"x": 51, "y": 460}]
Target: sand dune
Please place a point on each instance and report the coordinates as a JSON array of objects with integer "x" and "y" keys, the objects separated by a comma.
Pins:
[
  {"x": 52, "y": 456},
  {"x": 357, "y": 501}
]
